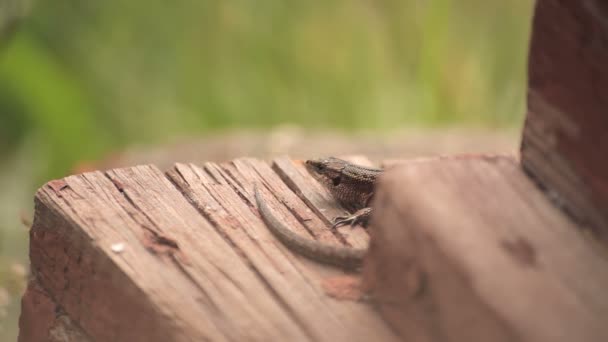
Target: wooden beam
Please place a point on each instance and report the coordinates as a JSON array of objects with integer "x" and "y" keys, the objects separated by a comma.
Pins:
[
  {"x": 137, "y": 254},
  {"x": 468, "y": 249}
]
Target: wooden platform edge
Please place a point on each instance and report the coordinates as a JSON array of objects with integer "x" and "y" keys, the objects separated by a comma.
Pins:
[
  {"x": 453, "y": 251},
  {"x": 119, "y": 240}
]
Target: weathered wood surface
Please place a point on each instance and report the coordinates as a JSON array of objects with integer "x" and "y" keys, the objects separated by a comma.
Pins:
[
  {"x": 463, "y": 249},
  {"x": 136, "y": 254},
  {"x": 468, "y": 249},
  {"x": 565, "y": 139}
]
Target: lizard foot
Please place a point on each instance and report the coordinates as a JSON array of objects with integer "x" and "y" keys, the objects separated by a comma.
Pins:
[{"x": 361, "y": 216}]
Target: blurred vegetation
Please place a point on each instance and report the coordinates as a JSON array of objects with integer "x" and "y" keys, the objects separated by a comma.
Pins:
[
  {"x": 84, "y": 77},
  {"x": 81, "y": 78}
]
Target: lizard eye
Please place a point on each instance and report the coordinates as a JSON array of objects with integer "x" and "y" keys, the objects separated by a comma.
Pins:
[{"x": 336, "y": 180}]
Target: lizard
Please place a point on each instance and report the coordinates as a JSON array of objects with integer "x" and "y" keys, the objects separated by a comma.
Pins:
[{"x": 353, "y": 187}]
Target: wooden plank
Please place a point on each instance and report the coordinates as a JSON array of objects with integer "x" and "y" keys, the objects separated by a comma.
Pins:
[
  {"x": 565, "y": 138},
  {"x": 295, "y": 281},
  {"x": 134, "y": 254},
  {"x": 174, "y": 263},
  {"x": 231, "y": 288},
  {"x": 468, "y": 249}
]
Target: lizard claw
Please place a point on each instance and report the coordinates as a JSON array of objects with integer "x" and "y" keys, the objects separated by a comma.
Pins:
[{"x": 360, "y": 217}]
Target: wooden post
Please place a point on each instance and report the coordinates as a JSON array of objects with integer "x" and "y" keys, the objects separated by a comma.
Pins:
[{"x": 565, "y": 138}]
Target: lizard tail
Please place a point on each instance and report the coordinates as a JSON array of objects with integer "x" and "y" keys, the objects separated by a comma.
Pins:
[{"x": 345, "y": 257}]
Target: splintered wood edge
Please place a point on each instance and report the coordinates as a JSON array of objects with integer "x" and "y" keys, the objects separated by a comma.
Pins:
[
  {"x": 474, "y": 240},
  {"x": 149, "y": 240}
]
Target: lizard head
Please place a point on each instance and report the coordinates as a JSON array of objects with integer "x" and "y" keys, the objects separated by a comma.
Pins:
[{"x": 327, "y": 170}]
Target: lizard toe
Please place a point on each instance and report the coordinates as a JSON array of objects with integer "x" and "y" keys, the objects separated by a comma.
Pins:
[
  {"x": 360, "y": 217},
  {"x": 342, "y": 220}
]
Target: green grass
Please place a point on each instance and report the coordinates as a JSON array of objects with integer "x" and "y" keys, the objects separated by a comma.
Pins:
[{"x": 105, "y": 74}]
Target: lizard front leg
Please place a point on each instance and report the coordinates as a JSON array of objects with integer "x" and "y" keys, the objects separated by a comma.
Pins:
[{"x": 361, "y": 216}]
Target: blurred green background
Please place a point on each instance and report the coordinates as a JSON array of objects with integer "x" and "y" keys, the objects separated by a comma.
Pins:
[{"x": 79, "y": 79}]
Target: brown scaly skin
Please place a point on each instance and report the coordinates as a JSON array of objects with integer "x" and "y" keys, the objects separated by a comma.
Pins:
[{"x": 353, "y": 187}]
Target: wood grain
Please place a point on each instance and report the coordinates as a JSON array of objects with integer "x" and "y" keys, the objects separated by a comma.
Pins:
[
  {"x": 136, "y": 254},
  {"x": 468, "y": 249}
]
